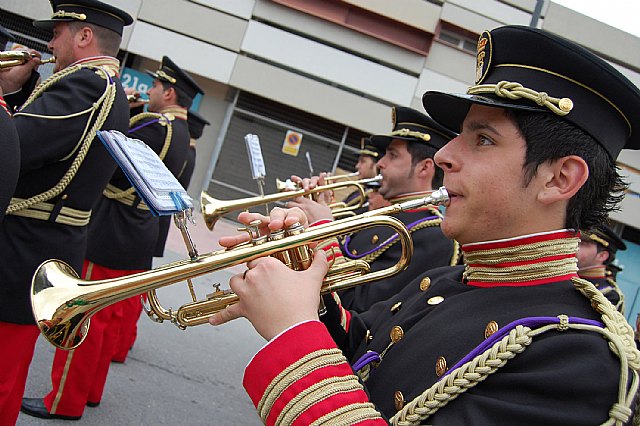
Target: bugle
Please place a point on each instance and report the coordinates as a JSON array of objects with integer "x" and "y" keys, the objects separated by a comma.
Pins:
[
  {"x": 213, "y": 209},
  {"x": 335, "y": 178},
  {"x": 339, "y": 209},
  {"x": 136, "y": 98},
  {"x": 63, "y": 304},
  {"x": 12, "y": 58}
]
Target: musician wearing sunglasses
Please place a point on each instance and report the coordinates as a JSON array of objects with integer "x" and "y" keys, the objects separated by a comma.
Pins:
[
  {"x": 512, "y": 337},
  {"x": 408, "y": 173}
]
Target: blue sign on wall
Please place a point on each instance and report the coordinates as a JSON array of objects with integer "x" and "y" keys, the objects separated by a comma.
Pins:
[{"x": 141, "y": 81}]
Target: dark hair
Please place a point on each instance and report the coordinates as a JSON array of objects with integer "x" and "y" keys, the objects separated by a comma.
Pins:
[
  {"x": 549, "y": 138},
  {"x": 108, "y": 40},
  {"x": 420, "y": 151},
  {"x": 183, "y": 99}
]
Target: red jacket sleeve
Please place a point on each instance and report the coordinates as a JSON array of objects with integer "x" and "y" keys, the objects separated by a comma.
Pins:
[{"x": 301, "y": 377}]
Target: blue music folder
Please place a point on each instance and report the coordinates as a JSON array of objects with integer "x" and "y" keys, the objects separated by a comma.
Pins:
[{"x": 154, "y": 182}]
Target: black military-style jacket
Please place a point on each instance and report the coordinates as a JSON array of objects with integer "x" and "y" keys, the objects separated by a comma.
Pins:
[
  {"x": 431, "y": 249},
  {"x": 611, "y": 291},
  {"x": 9, "y": 160},
  {"x": 48, "y": 146},
  {"x": 122, "y": 236},
  {"x": 563, "y": 377},
  {"x": 184, "y": 177}
]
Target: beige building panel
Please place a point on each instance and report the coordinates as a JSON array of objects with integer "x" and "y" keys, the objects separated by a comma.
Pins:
[
  {"x": 632, "y": 177},
  {"x": 239, "y": 8},
  {"x": 416, "y": 13},
  {"x": 528, "y": 5},
  {"x": 600, "y": 37},
  {"x": 36, "y": 9},
  {"x": 431, "y": 80},
  {"x": 467, "y": 19},
  {"x": 309, "y": 95},
  {"x": 629, "y": 212},
  {"x": 455, "y": 63},
  {"x": 190, "y": 54},
  {"x": 494, "y": 10},
  {"x": 630, "y": 158},
  {"x": 196, "y": 21},
  {"x": 333, "y": 34}
]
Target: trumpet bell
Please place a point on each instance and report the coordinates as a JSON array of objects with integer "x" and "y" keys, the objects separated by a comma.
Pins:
[{"x": 55, "y": 296}]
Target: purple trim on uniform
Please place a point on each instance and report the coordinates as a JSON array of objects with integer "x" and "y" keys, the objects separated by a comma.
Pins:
[
  {"x": 365, "y": 359},
  {"x": 531, "y": 322},
  {"x": 145, "y": 124},
  {"x": 385, "y": 242}
]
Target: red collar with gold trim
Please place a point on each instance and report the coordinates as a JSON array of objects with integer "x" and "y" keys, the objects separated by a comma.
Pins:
[
  {"x": 527, "y": 260},
  {"x": 599, "y": 271}
]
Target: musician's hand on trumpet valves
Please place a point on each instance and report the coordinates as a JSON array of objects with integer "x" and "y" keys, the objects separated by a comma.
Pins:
[
  {"x": 272, "y": 296},
  {"x": 278, "y": 218},
  {"x": 315, "y": 209}
]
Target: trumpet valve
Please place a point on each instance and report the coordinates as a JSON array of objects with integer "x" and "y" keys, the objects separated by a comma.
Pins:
[{"x": 253, "y": 229}]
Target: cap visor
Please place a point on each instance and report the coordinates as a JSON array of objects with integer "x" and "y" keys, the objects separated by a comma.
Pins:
[
  {"x": 450, "y": 109},
  {"x": 48, "y": 24}
]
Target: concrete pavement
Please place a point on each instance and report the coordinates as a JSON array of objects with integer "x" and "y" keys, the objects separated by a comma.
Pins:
[{"x": 191, "y": 377}]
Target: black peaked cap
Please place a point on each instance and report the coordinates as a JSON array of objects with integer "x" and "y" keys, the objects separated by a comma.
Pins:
[
  {"x": 413, "y": 126},
  {"x": 605, "y": 236},
  {"x": 173, "y": 74},
  {"x": 87, "y": 11},
  {"x": 562, "y": 77},
  {"x": 367, "y": 148},
  {"x": 196, "y": 124}
]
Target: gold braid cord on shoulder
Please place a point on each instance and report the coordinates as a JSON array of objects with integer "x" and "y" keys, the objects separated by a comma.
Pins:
[
  {"x": 167, "y": 143},
  {"x": 103, "y": 104},
  {"x": 616, "y": 331}
]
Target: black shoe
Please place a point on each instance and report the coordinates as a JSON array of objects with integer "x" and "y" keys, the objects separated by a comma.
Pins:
[
  {"x": 92, "y": 404},
  {"x": 35, "y": 407}
]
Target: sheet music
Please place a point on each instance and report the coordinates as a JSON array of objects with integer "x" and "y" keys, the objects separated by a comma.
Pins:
[
  {"x": 153, "y": 181},
  {"x": 254, "y": 152}
]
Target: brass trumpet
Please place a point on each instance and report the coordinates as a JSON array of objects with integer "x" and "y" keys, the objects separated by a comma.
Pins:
[
  {"x": 12, "y": 58},
  {"x": 334, "y": 178},
  {"x": 63, "y": 304},
  {"x": 136, "y": 98},
  {"x": 339, "y": 209},
  {"x": 213, "y": 209}
]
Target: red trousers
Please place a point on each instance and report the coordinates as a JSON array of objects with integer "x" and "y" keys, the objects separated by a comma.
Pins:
[
  {"x": 17, "y": 344},
  {"x": 131, "y": 310},
  {"x": 78, "y": 376}
]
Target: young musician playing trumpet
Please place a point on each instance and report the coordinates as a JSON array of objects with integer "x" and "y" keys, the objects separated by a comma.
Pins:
[
  {"x": 514, "y": 336},
  {"x": 408, "y": 172}
]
